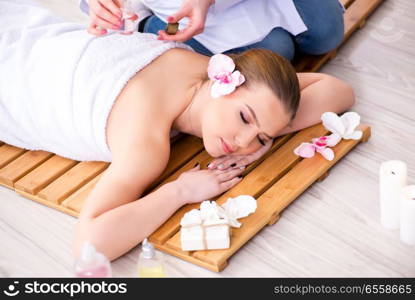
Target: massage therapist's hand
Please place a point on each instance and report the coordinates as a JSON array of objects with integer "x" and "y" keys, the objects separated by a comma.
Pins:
[
  {"x": 104, "y": 15},
  {"x": 197, "y": 185},
  {"x": 236, "y": 161},
  {"x": 196, "y": 11}
]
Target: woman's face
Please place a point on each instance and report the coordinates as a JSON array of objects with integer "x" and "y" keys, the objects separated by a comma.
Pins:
[{"x": 239, "y": 123}]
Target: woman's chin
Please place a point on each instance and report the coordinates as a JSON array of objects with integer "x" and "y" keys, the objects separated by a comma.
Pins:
[{"x": 211, "y": 151}]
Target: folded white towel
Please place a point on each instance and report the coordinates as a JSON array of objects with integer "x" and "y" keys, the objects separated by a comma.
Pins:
[{"x": 58, "y": 83}]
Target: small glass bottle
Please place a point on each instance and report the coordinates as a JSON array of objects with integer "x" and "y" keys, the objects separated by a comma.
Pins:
[
  {"x": 129, "y": 25},
  {"x": 91, "y": 263},
  {"x": 150, "y": 262}
]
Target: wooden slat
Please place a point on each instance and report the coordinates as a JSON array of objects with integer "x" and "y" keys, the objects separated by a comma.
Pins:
[
  {"x": 21, "y": 166},
  {"x": 279, "y": 196},
  {"x": 358, "y": 13},
  {"x": 77, "y": 199},
  {"x": 9, "y": 153},
  {"x": 72, "y": 180},
  {"x": 44, "y": 174},
  {"x": 48, "y": 203},
  {"x": 263, "y": 176}
]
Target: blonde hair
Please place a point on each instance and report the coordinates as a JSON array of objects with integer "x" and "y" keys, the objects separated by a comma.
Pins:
[{"x": 266, "y": 67}]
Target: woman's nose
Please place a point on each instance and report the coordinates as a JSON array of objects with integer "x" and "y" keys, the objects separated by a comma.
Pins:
[{"x": 244, "y": 138}]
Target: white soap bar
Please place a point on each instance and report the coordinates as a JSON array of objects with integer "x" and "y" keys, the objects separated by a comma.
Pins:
[
  {"x": 217, "y": 237},
  {"x": 192, "y": 238},
  {"x": 214, "y": 237}
]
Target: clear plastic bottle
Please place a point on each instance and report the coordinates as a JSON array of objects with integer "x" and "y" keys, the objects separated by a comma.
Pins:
[
  {"x": 92, "y": 263},
  {"x": 150, "y": 262}
]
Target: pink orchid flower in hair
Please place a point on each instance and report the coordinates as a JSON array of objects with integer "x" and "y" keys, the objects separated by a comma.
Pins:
[
  {"x": 221, "y": 72},
  {"x": 319, "y": 145}
]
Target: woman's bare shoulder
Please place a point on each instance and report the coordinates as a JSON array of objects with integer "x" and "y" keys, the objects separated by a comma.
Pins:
[{"x": 305, "y": 79}]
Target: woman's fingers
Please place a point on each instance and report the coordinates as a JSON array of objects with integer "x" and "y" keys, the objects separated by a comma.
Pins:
[
  {"x": 181, "y": 35},
  {"x": 230, "y": 183},
  {"x": 96, "y": 30},
  {"x": 228, "y": 174},
  {"x": 112, "y": 7},
  {"x": 104, "y": 24},
  {"x": 195, "y": 168},
  {"x": 226, "y": 162},
  {"x": 99, "y": 12},
  {"x": 175, "y": 18},
  {"x": 244, "y": 161},
  {"x": 133, "y": 17}
]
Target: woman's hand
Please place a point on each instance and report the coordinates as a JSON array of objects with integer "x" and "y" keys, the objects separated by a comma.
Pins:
[
  {"x": 198, "y": 185},
  {"x": 104, "y": 15},
  {"x": 236, "y": 161},
  {"x": 196, "y": 11}
]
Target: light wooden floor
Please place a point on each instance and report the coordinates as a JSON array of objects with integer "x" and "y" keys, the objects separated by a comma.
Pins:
[{"x": 332, "y": 230}]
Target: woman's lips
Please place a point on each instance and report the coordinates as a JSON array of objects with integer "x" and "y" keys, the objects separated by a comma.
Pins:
[{"x": 226, "y": 147}]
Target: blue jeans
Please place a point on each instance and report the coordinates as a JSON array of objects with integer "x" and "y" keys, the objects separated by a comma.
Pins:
[{"x": 325, "y": 31}]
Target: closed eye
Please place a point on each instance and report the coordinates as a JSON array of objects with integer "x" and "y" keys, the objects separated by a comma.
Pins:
[
  {"x": 246, "y": 122},
  {"x": 243, "y": 118}
]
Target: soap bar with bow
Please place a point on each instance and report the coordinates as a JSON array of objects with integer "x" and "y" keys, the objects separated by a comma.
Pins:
[{"x": 209, "y": 227}]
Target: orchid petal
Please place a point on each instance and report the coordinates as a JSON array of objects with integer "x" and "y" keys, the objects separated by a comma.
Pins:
[
  {"x": 238, "y": 78},
  {"x": 220, "y": 64},
  {"x": 305, "y": 150},
  {"x": 356, "y": 135},
  {"x": 327, "y": 153},
  {"x": 350, "y": 121},
  {"x": 333, "y": 139},
  {"x": 314, "y": 140},
  {"x": 332, "y": 122},
  {"x": 215, "y": 91},
  {"x": 219, "y": 89}
]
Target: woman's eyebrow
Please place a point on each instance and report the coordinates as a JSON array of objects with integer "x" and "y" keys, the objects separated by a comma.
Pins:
[{"x": 256, "y": 120}]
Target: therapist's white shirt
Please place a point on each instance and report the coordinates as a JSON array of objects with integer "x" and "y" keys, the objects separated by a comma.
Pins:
[{"x": 230, "y": 23}]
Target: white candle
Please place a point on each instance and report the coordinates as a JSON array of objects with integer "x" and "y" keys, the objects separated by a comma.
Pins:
[
  {"x": 408, "y": 215},
  {"x": 392, "y": 177}
]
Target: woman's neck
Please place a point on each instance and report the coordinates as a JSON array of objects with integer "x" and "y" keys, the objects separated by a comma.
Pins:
[
  {"x": 182, "y": 89},
  {"x": 190, "y": 119}
]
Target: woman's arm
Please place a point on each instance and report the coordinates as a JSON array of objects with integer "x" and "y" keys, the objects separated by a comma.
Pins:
[
  {"x": 319, "y": 93},
  {"x": 112, "y": 218}
]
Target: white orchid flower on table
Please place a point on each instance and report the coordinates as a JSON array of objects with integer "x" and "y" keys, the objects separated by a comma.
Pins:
[{"x": 343, "y": 127}]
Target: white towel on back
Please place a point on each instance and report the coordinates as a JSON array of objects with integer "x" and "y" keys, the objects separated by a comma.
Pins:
[{"x": 58, "y": 83}]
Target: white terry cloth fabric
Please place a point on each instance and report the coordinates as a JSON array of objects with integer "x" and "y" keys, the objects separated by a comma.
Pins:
[{"x": 58, "y": 83}]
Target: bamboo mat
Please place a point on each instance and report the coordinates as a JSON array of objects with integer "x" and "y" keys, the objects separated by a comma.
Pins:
[{"x": 275, "y": 180}]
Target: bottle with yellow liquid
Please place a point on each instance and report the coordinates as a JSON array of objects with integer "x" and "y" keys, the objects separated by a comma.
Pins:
[{"x": 150, "y": 261}]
